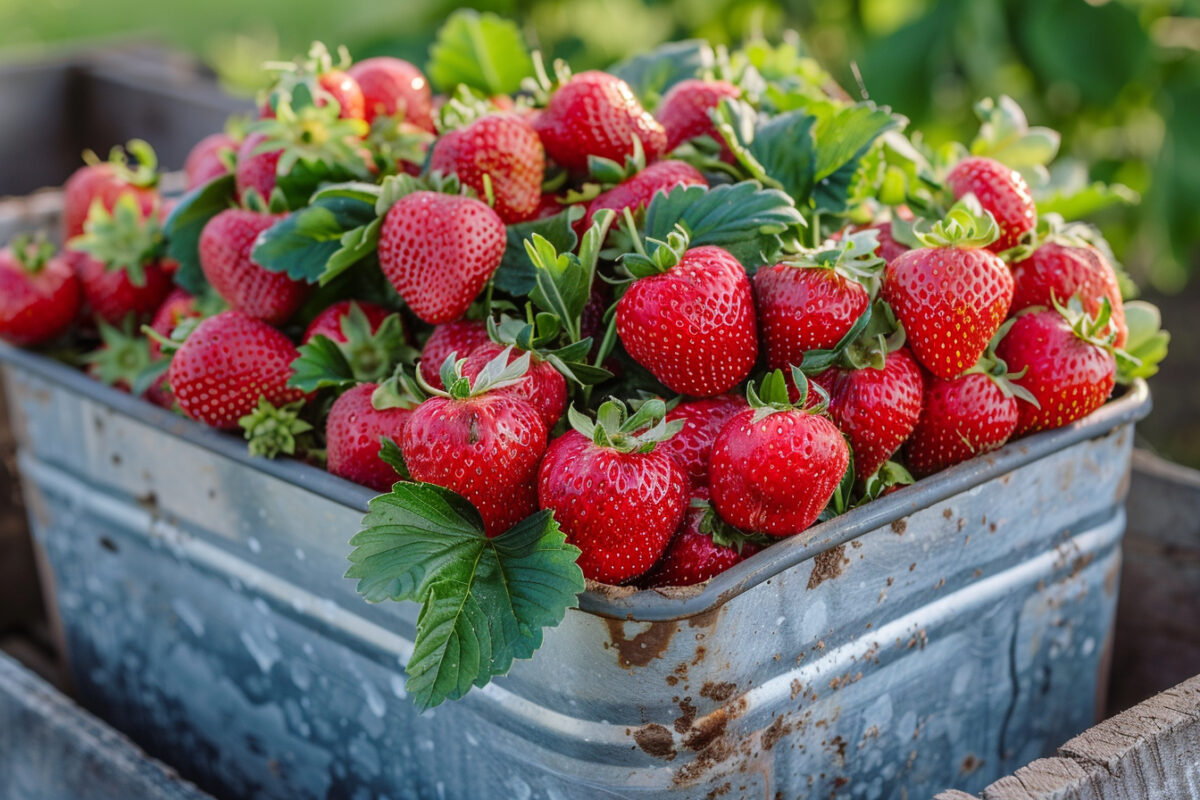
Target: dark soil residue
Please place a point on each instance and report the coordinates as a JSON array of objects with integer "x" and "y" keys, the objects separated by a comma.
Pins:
[
  {"x": 655, "y": 740},
  {"x": 828, "y": 565}
]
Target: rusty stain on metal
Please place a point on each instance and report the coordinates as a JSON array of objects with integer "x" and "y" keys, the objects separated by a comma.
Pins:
[
  {"x": 643, "y": 647},
  {"x": 899, "y": 526},
  {"x": 718, "y": 691},
  {"x": 655, "y": 740}
]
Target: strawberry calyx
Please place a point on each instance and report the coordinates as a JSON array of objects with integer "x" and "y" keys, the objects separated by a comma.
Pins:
[
  {"x": 1091, "y": 328},
  {"x": 143, "y": 175},
  {"x": 496, "y": 374},
  {"x": 853, "y": 256},
  {"x": 539, "y": 336},
  {"x": 31, "y": 253},
  {"x": 1005, "y": 135},
  {"x": 723, "y": 534},
  {"x": 996, "y": 369},
  {"x": 772, "y": 395},
  {"x": 889, "y": 477},
  {"x": 296, "y": 81},
  {"x": 372, "y": 355},
  {"x": 401, "y": 390},
  {"x": 122, "y": 358},
  {"x": 122, "y": 239},
  {"x": 392, "y": 142},
  {"x": 654, "y": 256},
  {"x": 615, "y": 428},
  {"x": 462, "y": 108},
  {"x": 311, "y": 134},
  {"x": 966, "y": 226},
  {"x": 604, "y": 172},
  {"x": 271, "y": 430},
  {"x": 540, "y": 85}
]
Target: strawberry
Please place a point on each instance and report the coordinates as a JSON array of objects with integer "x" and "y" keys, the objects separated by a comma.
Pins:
[
  {"x": 392, "y": 87},
  {"x": 876, "y": 408},
  {"x": 636, "y": 192},
  {"x": 1001, "y": 191},
  {"x": 596, "y": 114},
  {"x": 702, "y": 420},
  {"x": 952, "y": 295},
  {"x": 813, "y": 300},
  {"x": 208, "y": 159},
  {"x": 439, "y": 250},
  {"x": 480, "y": 442},
  {"x": 689, "y": 317},
  {"x": 106, "y": 181},
  {"x": 1060, "y": 270},
  {"x": 776, "y": 465},
  {"x": 1067, "y": 363},
  {"x": 121, "y": 261},
  {"x": 684, "y": 111},
  {"x": 500, "y": 149},
  {"x": 615, "y": 497},
  {"x": 889, "y": 249},
  {"x": 257, "y": 165},
  {"x": 459, "y": 338},
  {"x": 353, "y": 434},
  {"x": 39, "y": 293},
  {"x": 330, "y": 322},
  {"x": 961, "y": 418},
  {"x": 225, "y": 246},
  {"x": 227, "y": 364},
  {"x": 542, "y": 386},
  {"x": 702, "y": 548},
  {"x": 178, "y": 307}
]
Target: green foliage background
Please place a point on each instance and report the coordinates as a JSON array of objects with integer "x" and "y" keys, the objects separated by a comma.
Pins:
[{"x": 1119, "y": 78}]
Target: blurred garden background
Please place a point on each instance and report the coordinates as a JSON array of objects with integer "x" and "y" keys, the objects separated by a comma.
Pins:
[{"x": 1119, "y": 78}]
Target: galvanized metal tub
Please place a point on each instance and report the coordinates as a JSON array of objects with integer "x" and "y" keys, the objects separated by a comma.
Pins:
[{"x": 939, "y": 637}]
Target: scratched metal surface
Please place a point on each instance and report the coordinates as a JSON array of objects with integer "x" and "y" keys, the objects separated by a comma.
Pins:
[
  {"x": 50, "y": 749},
  {"x": 940, "y": 637}
]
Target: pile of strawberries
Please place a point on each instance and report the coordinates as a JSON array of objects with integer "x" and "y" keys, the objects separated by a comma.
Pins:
[{"x": 638, "y": 310}]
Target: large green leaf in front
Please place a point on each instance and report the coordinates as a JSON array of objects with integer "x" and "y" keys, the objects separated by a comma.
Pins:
[{"x": 484, "y": 602}]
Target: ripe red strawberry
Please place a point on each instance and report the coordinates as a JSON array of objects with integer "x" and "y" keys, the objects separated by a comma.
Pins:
[
  {"x": 636, "y": 192},
  {"x": 888, "y": 248},
  {"x": 1060, "y": 271},
  {"x": 702, "y": 421},
  {"x": 225, "y": 246},
  {"x": 876, "y": 409},
  {"x": 439, "y": 251},
  {"x": 460, "y": 338},
  {"x": 1069, "y": 367},
  {"x": 108, "y": 180},
  {"x": 596, "y": 114},
  {"x": 811, "y": 302},
  {"x": 179, "y": 306},
  {"x": 684, "y": 111},
  {"x": 952, "y": 295},
  {"x": 689, "y": 318},
  {"x": 392, "y": 87},
  {"x": 776, "y": 465},
  {"x": 504, "y": 148},
  {"x": 121, "y": 261},
  {"x": 962, "y": 417},
  {"x": 352, "y": 437},
  {"x": 1002, "y": 192},
  {"x": 480, "y": 442},
  {"x": 256, "y": 167},
  {"x": 702, "y": 548},
  {"x": 39, "y": 293},
  {"x": 206, "y": 160},
  {"x": 542, "y": 386},
  {"x": 227, "y": 363},
  {"x": 330, "y": 321},
  {"x": 616, "y": 499}
]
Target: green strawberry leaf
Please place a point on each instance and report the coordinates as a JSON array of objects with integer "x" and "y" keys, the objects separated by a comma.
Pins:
[
  {"x": 1080, "y": 202},
  {"x": 652, "y": 73},
  {"x": 1146, "y": 345},
  {"x": 185, "y": 224},
  {"x": 516, "y": 273},
  {"x": 484, "y": 602},
  {"x": 393, "y": 456},
  {"x": 482, "y": 51},
  {"x": 744, "y": 218},
  {"x": 321, "y": 365},
  {"x": 302, "y": 243}
]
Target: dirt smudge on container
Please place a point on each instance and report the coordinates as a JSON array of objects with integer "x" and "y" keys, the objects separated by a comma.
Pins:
[
  {"x": 900, "y": 526},
  {"x": 774, "y": 732},
  {"x": 655, "y": 740},
  {"x": 687, "y": 715},
  {"x": 970, "y": 764},
  {"x": 642, "y": 648},
  {"x": 828, "y": 565}
]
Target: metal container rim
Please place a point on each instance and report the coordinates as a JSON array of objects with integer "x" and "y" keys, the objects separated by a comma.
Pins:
[{"x": 645, "y": 605}]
